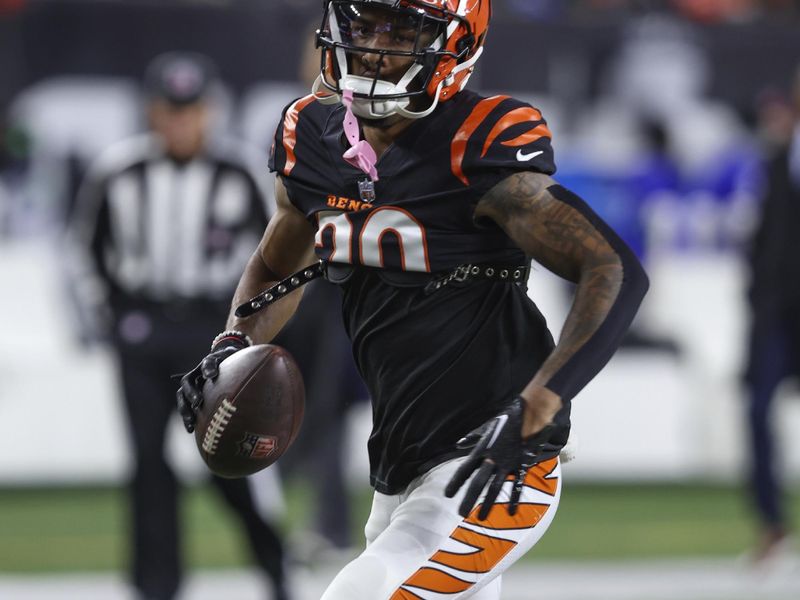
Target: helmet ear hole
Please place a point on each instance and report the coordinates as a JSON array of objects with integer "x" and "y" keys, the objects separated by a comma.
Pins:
[{"x": 464, "y": 45}]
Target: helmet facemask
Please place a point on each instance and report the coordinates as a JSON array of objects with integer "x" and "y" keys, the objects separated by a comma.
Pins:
[{"x": 385, "y": 52}]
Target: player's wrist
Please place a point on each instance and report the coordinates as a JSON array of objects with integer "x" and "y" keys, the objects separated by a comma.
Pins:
[
  {"x": 231, "y": 338},
  {"x": 540, "y": 406}
]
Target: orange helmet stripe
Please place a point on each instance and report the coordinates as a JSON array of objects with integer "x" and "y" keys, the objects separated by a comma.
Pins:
[
  {"x": 290, "y": 131},
  {"x": 515, "y": 117},
  {"x": 458, "y": 148}
]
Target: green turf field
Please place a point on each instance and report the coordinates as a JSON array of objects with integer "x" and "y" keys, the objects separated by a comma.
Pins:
[{"x": 83, "y": 529}]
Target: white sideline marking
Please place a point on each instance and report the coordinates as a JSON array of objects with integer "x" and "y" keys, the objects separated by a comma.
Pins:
[{"x": 684, "y": 579}]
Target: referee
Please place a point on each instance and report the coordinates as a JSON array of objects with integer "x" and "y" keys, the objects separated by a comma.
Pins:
[{"x": 169, "y": 219}]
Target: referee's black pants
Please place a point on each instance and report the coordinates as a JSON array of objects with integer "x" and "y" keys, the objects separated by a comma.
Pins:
[{"x": 146, "y": 366}]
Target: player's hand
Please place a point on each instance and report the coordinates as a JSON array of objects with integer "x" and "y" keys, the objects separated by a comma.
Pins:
[
  {"x": 499, "y": 451},
  {"x": 190, "y": 394}
]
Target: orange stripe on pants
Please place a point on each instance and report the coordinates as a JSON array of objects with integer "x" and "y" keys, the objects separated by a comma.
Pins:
[{"x": 489, "y": 549}]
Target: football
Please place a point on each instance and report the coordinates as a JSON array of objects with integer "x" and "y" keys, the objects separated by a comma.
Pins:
[{"x": 251, "y": 412}]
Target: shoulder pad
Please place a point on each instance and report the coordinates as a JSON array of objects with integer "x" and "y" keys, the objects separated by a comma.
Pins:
[
  {"x": 501, "y": 132},
  {"x": 283, "y": 156}
]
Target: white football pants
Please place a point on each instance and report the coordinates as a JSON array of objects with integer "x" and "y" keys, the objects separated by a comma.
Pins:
[{"x": 420, "y": 548}]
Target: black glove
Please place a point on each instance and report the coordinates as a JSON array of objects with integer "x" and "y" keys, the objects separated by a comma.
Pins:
[
  {"x": 500, "y": 451},
  {"x": 190, "y": 394}
]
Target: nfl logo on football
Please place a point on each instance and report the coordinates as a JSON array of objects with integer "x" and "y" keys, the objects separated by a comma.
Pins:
[{"x": 256, "y": 446}]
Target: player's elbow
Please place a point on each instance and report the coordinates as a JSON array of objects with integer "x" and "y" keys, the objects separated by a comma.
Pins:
[{"x": 634, "y": 278}]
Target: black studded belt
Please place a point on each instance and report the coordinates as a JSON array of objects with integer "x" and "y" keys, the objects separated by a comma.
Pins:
[
  {"x": 472, "y": 272},
  {"x": 281, "y": 289},
  {"x": 460, "y": 275}
]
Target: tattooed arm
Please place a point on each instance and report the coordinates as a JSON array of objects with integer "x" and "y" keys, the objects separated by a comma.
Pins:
[{"x": 558, "y": 230}]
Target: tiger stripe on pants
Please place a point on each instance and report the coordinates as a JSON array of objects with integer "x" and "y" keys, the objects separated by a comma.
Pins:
[{"x": 420, "y": 548}]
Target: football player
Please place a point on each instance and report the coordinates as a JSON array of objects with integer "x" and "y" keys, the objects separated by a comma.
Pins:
[{"x": 425, "y": 203}]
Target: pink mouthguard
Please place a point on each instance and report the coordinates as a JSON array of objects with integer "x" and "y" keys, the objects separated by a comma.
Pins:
[{"x": 361, "y": 155}]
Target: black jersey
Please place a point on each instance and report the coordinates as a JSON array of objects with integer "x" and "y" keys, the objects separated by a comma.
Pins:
[{"x": 436, "y": 365}]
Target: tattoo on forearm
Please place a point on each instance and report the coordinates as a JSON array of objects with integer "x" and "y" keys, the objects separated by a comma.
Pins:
[
  {"x": 552, "y": 232},
  {"x": 563, "y": 240}
]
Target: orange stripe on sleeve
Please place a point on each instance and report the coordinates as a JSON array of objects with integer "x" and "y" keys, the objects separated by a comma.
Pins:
[
  {"x": 534, "y": 134},
  {"x": 515, "y": 117},
  {"x": 290, "y": 131},
  {"x": 458, "y": 147}
]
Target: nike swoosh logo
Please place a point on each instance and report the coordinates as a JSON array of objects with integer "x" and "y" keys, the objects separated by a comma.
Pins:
[
  {"x": 501, "y": 422},
  {"x": 523, "y": 157}
]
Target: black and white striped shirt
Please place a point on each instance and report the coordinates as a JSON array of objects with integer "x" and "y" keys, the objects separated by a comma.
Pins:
[{"x": 163, "y": 231}]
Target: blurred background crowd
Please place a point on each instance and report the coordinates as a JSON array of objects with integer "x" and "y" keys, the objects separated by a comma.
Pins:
[{"x": 675, "y": 119}]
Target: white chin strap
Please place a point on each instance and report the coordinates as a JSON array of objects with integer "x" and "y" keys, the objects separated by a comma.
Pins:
[
  {"x": 375, "y": 109},
  {"x": 371, "y": 109},
  {"x": 380, "y": 109}
]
